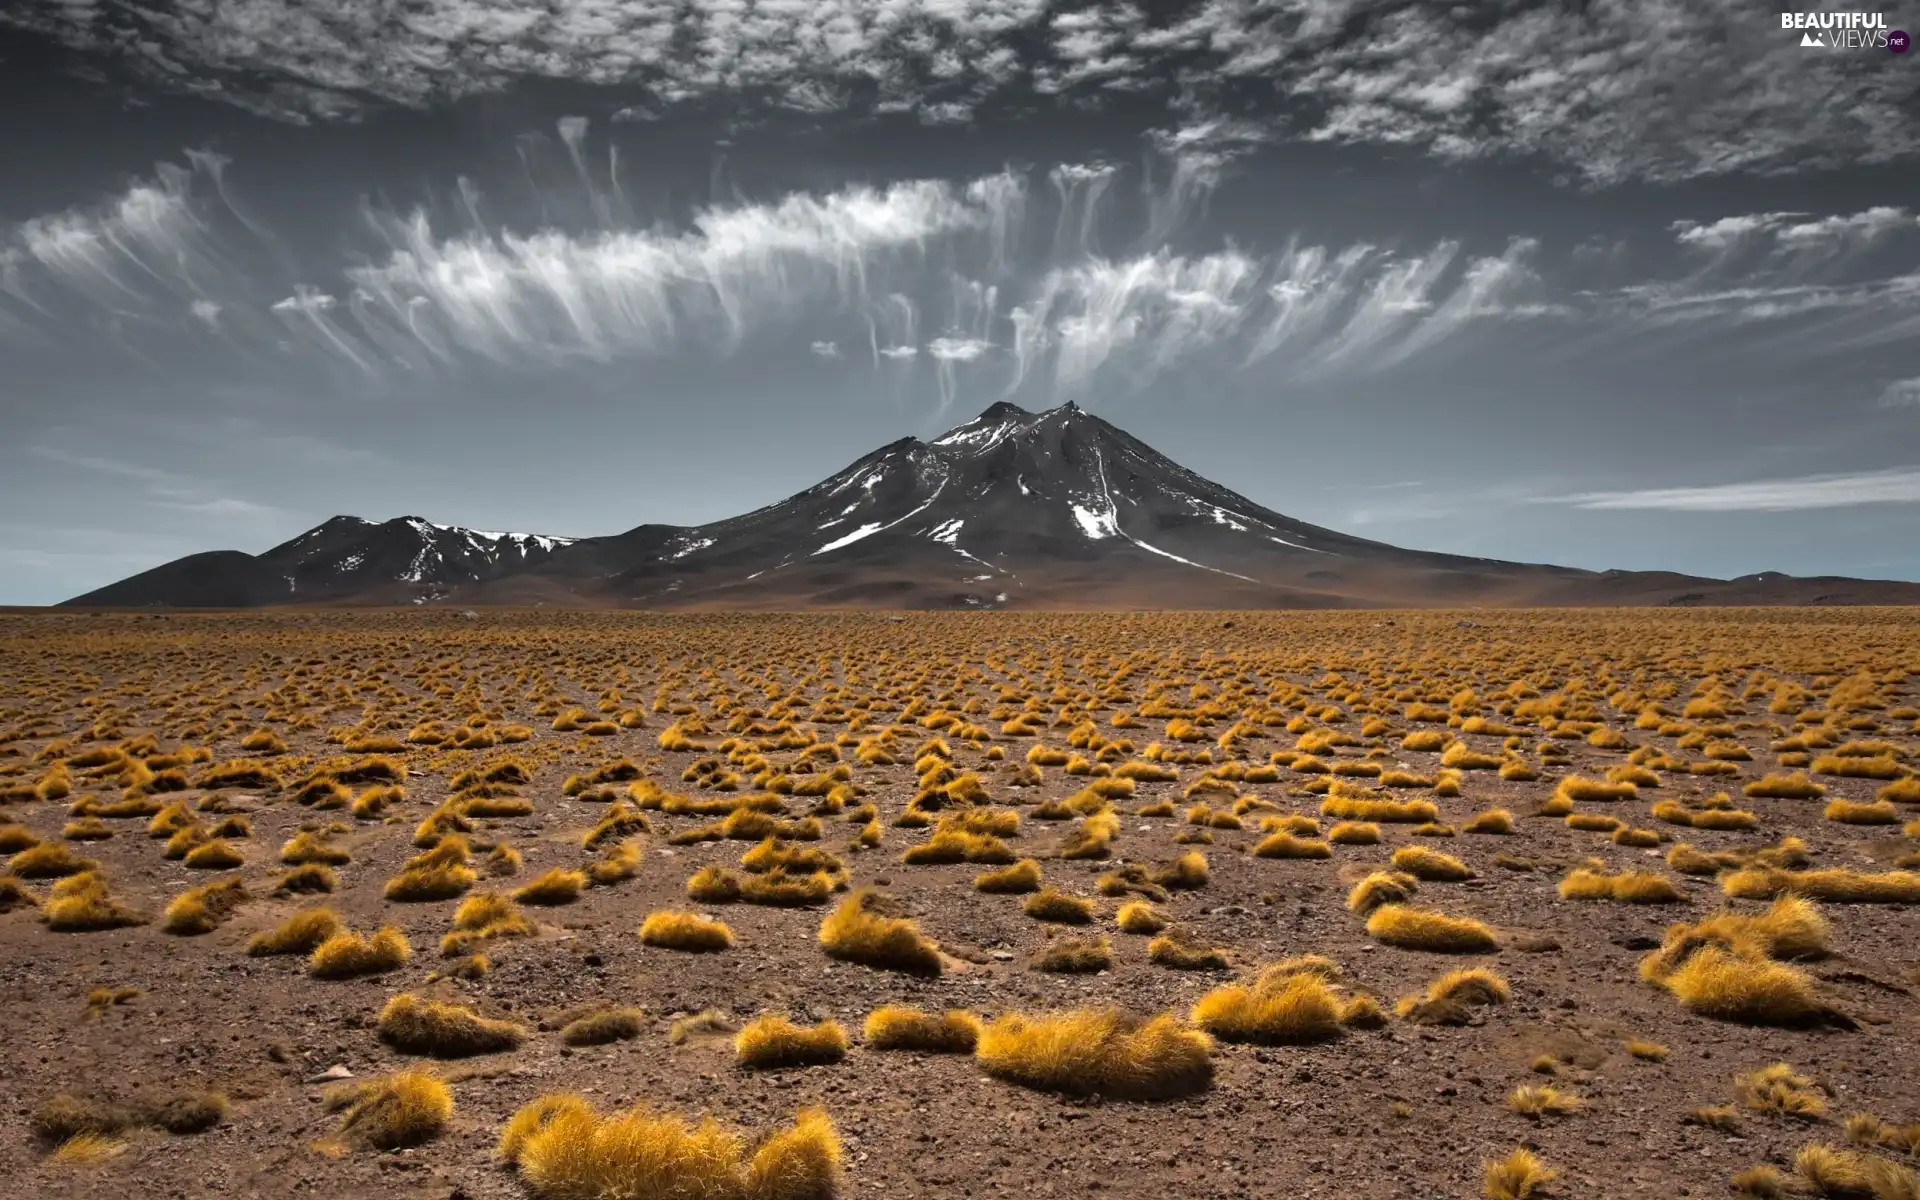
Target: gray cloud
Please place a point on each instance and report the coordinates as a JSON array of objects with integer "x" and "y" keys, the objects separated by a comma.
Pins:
[
  {"x": 1636, "y": 89},
  {"x": 1893, "y": 486}
]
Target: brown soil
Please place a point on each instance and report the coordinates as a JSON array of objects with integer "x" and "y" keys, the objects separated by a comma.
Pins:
[{"x": 1405, "y": 1111}]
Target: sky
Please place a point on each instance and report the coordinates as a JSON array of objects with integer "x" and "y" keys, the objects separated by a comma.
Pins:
[{"x": 1609, "y": 284}]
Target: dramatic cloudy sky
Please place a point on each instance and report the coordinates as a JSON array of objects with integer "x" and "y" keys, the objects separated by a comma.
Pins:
[{"x": 1610, "y": 283}]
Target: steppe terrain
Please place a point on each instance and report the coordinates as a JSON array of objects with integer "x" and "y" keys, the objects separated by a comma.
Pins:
[{"x": 1571, "y": 903}]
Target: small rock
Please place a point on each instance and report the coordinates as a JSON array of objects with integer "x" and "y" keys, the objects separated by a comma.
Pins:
[{"x": 331, "y": 1074}]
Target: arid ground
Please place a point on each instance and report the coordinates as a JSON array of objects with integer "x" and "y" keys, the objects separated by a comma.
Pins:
[{"x": 1264, "y": 786}]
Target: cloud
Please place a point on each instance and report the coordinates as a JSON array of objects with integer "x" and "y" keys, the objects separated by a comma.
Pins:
[
  {"x": 1901, "y": 393},
  {"x": 163, "y": 488},
  {"x": 825, "y": 350},
  {"x": 1899, "y": 485},
  {"x": 1635, "y": 89},
  {"x": 504, "y": 295}
]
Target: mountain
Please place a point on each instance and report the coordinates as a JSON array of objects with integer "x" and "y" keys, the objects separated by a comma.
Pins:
[
  {"x": 344, "y": 558},
  {"x": 1058, "y": 509}
]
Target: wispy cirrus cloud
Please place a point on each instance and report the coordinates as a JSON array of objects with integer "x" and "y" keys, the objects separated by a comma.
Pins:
[
  {"x": 1899, "y": 485},
  {"x": 1608, "y": 92}
]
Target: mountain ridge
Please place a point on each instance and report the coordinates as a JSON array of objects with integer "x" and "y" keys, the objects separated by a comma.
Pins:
[{"x": 1012, "y": 508}]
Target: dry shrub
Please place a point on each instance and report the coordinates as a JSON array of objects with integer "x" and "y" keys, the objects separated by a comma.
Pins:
[
  {"x": 1492, "y": 821},
  {"x": 1719, "y": 983},
  {"x": 685, "y": 931},
  {"x": 603, "y": 1027},
  {"x": 1536, "y": 1101},
  {"x": 1104, "y": 1052},
  {"x": 1519, "y": 1176},
  {"x": 1293, "y": 1008},
  {"x": 1380, "y": 888},
  {"x": 407, "y": 1108},
  {"x": 1451, "y": 999},
  {"x": 1286, "y": 845},
  {"x": 1354, "y": 833},
  {"x": 312, "y": 879},
  {"x": 1140, "y": 917},
  {"x": 1421, "y": 929},
  {"x": 50, "y": 860},
  {"x": 1074, "y": 956},
  {"x": 1852, "y": 812},
  {"x": 1022, "y": 876},
  {"x": 1796, "y": 786},
  {"x": 713, "y": 885},
  {"x": 770, "y": 1041},
  {"x": 1048, "y": 904},
  {"x": 82, "y": 904},
  {"x": 1780, "y": 1090},
  {"x": 894, "y": 1027},
  {"x": 347, "y": 955},
  {"x": 203, "y": 909},
  {"x": 558, "y": 886},
  {"x": 1431, "y": 865},
  {"x": 1182, "y": 953},
  {"x": 301, "y": 933},
  {"x": 413, "y": 1025},
  {"x": 1628, "y": 887},
  {"x": 567, "y": 1151},
  {"x": 1838, "y": 885}
]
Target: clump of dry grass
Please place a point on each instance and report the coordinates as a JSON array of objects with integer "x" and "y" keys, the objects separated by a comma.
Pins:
[
  {"x": 1022, "y": 876},
  {"x": 1074, "y": 956},
  {"x": 1049, "y": 904},
  {"x": 413, "y": 1025},
  {"x": 1538, "y": 1101},
  {"x": 482, "y": 917},
  {"x": 1628, "y": 887},
  {"x": 1519, "y": 1176},
  {"x": 1831, "y": 1171},
  {"x": 1285, "y": 845},
  {"x": 1644, "y": 1050},
  {"x": 312, "y": 879},
  {"x": 1421, "y": 929},
  {"x": 203, "y": 909},
  {"x": 49, "y": 860},
  {"x": 1140, "y": 917},
  {"x": 1777, "y": 786},
  {"x": 1838, "y": 885},
  {"x": 558, "y": 886},
  {"x": 82, "y": 904},
  {"x": 1098, "y": 1052},
  {"x": 1780, "y": 1090},
  {"x": 308, "y": 847},
  {"x": 407, "y": 1108},
  {"x": 604, "y": 1027},
  {"x": 771, "y": 1041},
  {"x": 347, "y": 955},
  {"x": 1380, "y": 888},
  {"x": 1719, "y": 983},
  {"x": 301, "y": 933},
  {"x": 685, "y": 931},
  {"x": 1182, "y": 952},
  {"x": 1853, "y": 812},
  {"x": 1354, "y": 833},
  {"x": 1280, "y": 1008},
  {"x": 1492, "y": 821},
  {"x": 1431, "y": 865},
  {"x": 1451, "y": 999},
  {"x": 567, "y": 1151},
  {"x": 894, "y": 1027}
]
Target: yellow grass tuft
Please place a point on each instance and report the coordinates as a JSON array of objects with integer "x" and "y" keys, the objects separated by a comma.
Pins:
[
  {"x": 1777, "y": 786},
  {"x": 413, "y": 1025},
  {"x": 347, "y": 955},
  {"x": 1431, "y": 865},
  {"x": 1853, "y": 812},
  {"x": 407, "y": 1108},
  {"x": 1519, "y": 1176},
  {"x": 1780, "y": 1090},
  {"x": 1283, "y": 1009},
  {"x": 1022, "y": 876},
  {"x": 1421, "y": 929},
  {"x": 1838, "y": 885},
  {"x": 894, "y": 1027},
  {"x": 81, "y": 904},
  {"x": 1379, "y": 888},
  {"x": 603, "y": 1027},
  {"x": 300, "y": 933},
  {"x": 1286, "y": 845},
  {"x": 685, "y": 931},
  {"x": 1628, "y": 887},
  {"x": 203, "y": 909},
  {"x": 1719, "y": 983},
  {"x": 863, "y": 930},
  {"x": 1492, "y": 821},
  {"x": 1536, "y": 1101},
  {"x": 567, "y": 1151},
  {"x": 558, "y": 886},
  {"x": 770, "y": 1041},
  {"x": 1104, "y": 1052}
]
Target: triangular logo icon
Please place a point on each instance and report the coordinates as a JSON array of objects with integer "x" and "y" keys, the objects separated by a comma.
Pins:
[{"x": 1807, "y": 39}]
